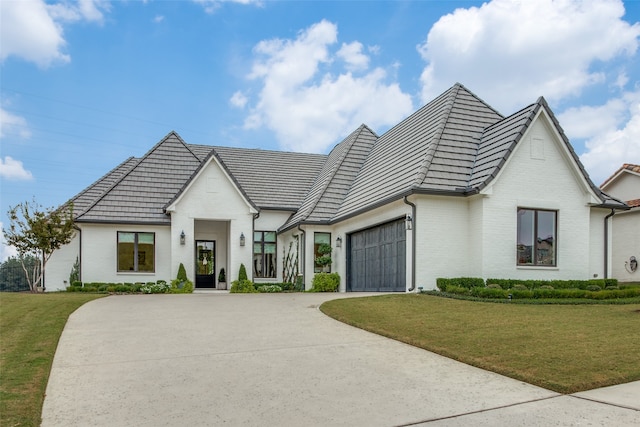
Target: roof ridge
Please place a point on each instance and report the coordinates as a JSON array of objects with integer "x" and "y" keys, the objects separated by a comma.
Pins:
[
  {"x": 140, "y": 160},
  {"x": 99, "y": 180},
  {"x": 335, "y": 168},
  {"x": 535, "y": 107},
  {"x": 435, "y": 142}
]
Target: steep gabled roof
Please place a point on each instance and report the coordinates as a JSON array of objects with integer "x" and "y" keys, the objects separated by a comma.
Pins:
[
  {"x": 141, "y": 194},
  {"x": 87, "y": 197},
  {"x": 335, "y": 179},
  {"x": 431, "y": 151}
]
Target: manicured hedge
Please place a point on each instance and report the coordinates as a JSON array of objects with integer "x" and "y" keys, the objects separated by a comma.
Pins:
[
  {"x": 537, "y": 289},
  {"x": 158, "y": 287}
]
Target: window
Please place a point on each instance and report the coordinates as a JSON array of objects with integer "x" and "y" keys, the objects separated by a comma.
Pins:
[
  {"x": 537, "y": 237},
  {"x": 136, "y": 251},
  {"x": 264, "y": 254},
  {"x": 320, "y": 239}
]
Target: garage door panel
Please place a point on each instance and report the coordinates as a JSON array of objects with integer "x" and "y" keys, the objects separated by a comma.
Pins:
[{"x": 377, "y": 259}]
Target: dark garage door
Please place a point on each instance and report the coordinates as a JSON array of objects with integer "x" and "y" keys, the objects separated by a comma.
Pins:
[{"x": 377, "y": 259}]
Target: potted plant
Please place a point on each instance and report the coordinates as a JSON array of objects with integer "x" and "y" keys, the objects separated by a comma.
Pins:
[{"x": 222, "y": 279}]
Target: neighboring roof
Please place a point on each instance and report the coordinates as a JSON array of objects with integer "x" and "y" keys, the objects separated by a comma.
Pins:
[
  {"x": 335, "y": 179},
  {"x": 625, "y": 168}
]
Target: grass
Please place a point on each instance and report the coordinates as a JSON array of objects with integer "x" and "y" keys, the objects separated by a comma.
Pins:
[
  {"x": 565, "y": 348},
  {"x": 30, "y": 327}
]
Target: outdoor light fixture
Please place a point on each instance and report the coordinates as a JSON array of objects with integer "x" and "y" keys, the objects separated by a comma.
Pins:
[
  {"x": 408, "y": 222},
  {"x": 182, "y": 238},
  {"x": 338, "y": 242},
  {"x": 242, "y": 239}
]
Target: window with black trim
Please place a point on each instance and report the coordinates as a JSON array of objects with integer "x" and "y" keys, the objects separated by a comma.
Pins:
[
  {"x": 537, "y": 237},
  {"x": 264, "y": 254},
  {"x": 324, "y": 240},
  {"x": 136, "y": 251}
]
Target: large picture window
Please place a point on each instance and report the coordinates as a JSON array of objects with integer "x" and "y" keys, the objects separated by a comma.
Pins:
[
  {"x": 320, "y": 239},
  {"x": 136, "y": 251},
  {"x": 264, "y": 254},
  {"x": 537, "y": 237}
]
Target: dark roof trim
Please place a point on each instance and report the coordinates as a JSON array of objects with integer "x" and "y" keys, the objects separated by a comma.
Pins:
[{"x": 97, "y": 221}]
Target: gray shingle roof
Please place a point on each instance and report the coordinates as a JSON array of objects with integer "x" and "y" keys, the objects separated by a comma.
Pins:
[
  {"x": 138, "y": 190},
  {"x": 335, "y": 179},
  {"x": 141, "y": 194},
  {"x": 433, "y": 150},
  {"x": 272, "y": 179},
  {"x": 454, "y": 145}
]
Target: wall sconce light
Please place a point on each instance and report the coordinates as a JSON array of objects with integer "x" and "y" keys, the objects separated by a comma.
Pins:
[
  {"x": 632, "y": 265},
  {"x": 242, "y": 239},
  {"x": 182, "y": 238},
  {"x": 408, "y": 221},
  {"x": 338, "y": 242}
]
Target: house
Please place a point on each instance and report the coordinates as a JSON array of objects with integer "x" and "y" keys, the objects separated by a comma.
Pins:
[
  {"x": 455, "y": 189},
  {"x": 624, "y": 184}
]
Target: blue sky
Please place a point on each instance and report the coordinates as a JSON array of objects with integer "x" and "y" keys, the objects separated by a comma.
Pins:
[{"x": 85, "y": 85}]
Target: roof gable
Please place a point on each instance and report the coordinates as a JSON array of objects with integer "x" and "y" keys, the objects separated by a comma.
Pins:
[
  {"x": 335, "y": 179},
  {"x": 141, "y": 194}
]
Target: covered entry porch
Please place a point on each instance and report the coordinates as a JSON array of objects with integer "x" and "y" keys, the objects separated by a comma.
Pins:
[{"x": 211, "y": 253}]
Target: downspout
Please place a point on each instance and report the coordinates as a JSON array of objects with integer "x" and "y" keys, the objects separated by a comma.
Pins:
[
  {"x": 253, "y": 227},
  {"x": 302, "y": 253},
  {"x": 606, "y": 243},
  {"x": 413, "y": 244}
]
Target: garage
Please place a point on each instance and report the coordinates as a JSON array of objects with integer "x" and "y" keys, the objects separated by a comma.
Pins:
[{"x": 377, "y": 259}]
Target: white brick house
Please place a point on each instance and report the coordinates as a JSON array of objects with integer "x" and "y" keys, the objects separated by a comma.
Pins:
[{"x": 455, "y": 189}]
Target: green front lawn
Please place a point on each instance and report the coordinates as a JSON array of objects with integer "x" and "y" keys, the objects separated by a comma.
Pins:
[
  {"x": 30, "y": 327},
  {"x": 565, "y": 348}
]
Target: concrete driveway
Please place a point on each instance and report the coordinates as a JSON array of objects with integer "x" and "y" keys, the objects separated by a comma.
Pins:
[{"x": 276, "y": 360}]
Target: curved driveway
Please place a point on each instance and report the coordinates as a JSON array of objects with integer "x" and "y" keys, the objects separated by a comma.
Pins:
[{"x": 276, "y": 360}]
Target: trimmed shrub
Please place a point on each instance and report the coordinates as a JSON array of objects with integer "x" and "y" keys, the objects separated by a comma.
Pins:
[
  {"x": 494, "y": 286},
  {"x": 594, "y": 288},
  {"x": 269, "y": 288},
  {"x": 242, "y": 287},
  {"x": 160, "y": 287},
  {"x": 465, "y": 282},
  {"x": 242, "y": 273},
  {"x": 325, "y": 282}
]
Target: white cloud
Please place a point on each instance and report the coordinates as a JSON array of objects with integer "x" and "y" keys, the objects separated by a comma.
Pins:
[
  {"x": 613, "y": 140},
  {"x": 13, "y": 124},
  {"x": 33, "y": 30},
  {"x": 309, "y": 108},
  {"x": 352, "y": 55},
  {"x": 511, "y": 52},
  {"x": 158, "y": 19},
  {"x": 211, "y": 6},
  {"x": 14, "y": 170},
  {"x": 239, "y": 100}
]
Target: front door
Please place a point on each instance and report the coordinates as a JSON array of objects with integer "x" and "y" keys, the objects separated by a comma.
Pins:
[{"x": 205, "y": 263}]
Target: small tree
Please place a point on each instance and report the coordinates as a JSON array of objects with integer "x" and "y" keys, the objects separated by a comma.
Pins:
[{"x": 38, "y": 232}]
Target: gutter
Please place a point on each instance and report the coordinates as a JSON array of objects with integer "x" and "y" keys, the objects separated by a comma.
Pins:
[
  {"x": 303, "y": 253},
  {"x": 413, "y": 244},
  {"x": 606, "y": 243}
]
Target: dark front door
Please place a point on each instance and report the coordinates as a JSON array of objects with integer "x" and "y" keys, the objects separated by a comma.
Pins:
[
  {"x": 377, "y": 259},
  {"x": 205, "y": 263}
]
